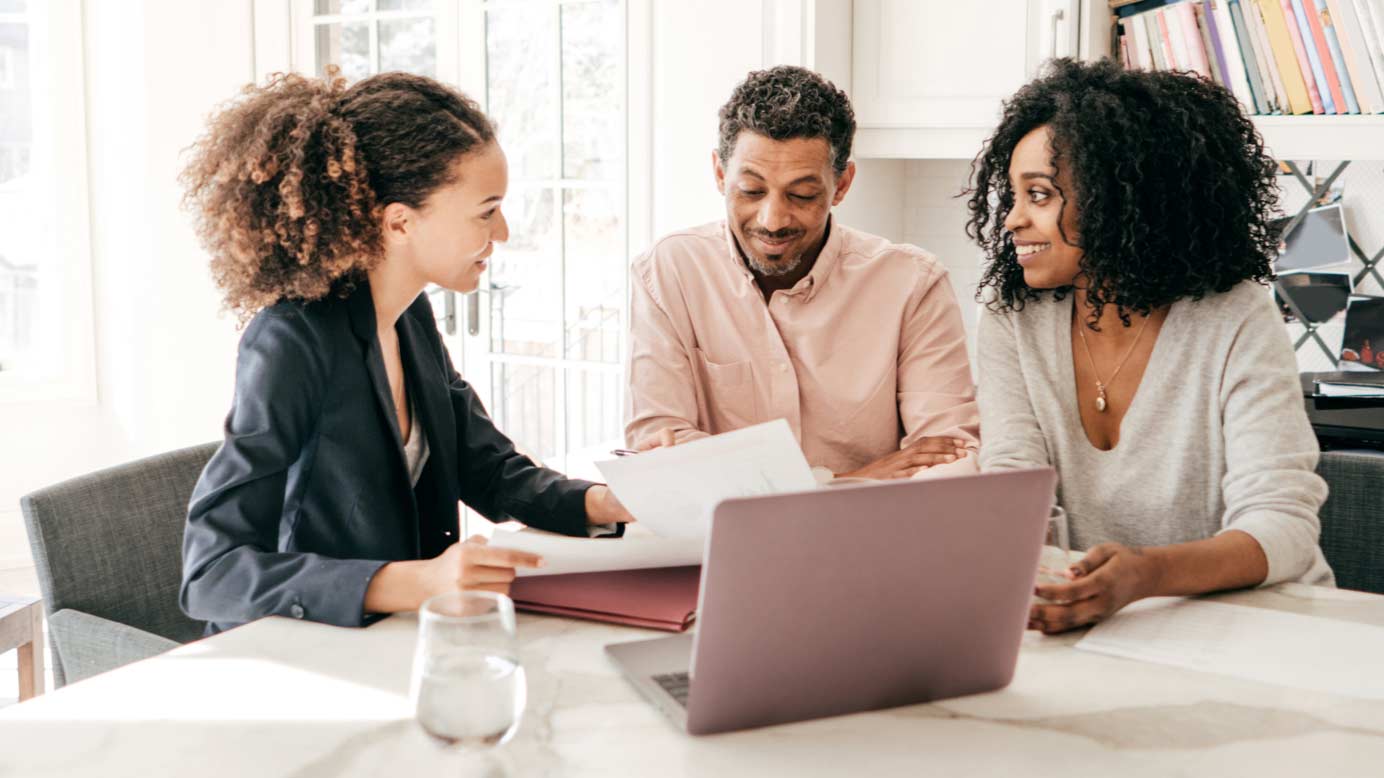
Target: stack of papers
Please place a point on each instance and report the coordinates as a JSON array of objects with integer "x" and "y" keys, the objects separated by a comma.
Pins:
[
  {"x": 671, "y": 492},
  {"x": 1285, "y": 649},
  {"x": 1355, "y": 383}
]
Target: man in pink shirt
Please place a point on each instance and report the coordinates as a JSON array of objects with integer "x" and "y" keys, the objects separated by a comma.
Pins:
[{"x": 779, "y": 312}]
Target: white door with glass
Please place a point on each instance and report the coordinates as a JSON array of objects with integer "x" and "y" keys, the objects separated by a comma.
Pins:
[{"x": 543, "y": 339}]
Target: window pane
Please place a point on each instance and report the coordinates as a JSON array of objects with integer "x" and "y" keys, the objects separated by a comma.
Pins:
[
  {"x": 332, "y": 7},
  {"x": 594, "y": 245},
  {"x": 16, "y": 111},
  {"x": 594, "y": 424},
  {"x": 19, "y": 214},
  {"x": 525, "y": 400},
  {"x": 409, "y": 45},
  {"x": 593, "y": 131},
  {"x": 346, "y": 46},
  {"x": 526, "y": 309},
  {"x": 406, "y": 5},
  {"x": 522, "y": 87}
]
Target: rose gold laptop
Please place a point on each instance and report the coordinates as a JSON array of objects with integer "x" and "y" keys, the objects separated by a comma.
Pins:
[{"x": 853, "y": 598}]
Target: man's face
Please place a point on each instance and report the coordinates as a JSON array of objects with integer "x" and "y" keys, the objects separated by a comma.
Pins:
[{"x": 779, "y": 194}]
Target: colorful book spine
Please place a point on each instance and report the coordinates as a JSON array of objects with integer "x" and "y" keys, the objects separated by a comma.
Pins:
[
  {"x": 1376, "y": 9},
  {"x": 1373, "y": 43},
  {"x": 1139, "y": 38},
  {"x": 1284, "y": 57},
  {"x": 1186, "y": 17},
  {"x": 1351, "y": 30},
  {"x": 1338, "y": 58},
  {"x": 1313, "y": 58},
  {"x": 1181, "y": 57},
  {"x": 1165, "y": 37},
  {"x": 1207, "y": 19},
  {"x": 1208, "y": 45},
  {"x": 1299, "y": 51},
  {"x": 1333, "y": 79},
  {"x": 1256, "y": 82},
  {"x": 1225, "y": 31},
  {"x": 1255, "y": 22},
  {"x": 1149, "y": 22}
]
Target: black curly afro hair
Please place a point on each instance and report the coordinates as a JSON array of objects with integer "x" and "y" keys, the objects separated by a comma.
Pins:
[{"x": 1174, "y": 193}]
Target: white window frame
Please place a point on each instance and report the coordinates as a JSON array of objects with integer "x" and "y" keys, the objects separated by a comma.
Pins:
[
  {"x": 6, "y": 68},
  {"x": 285, "y": 41},
  {"x": 59, "y": 181}
]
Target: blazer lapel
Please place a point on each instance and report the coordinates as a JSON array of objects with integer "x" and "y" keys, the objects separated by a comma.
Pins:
[
  {"x": 362, "y": 313},
  {"x": 431, "y": 399}
]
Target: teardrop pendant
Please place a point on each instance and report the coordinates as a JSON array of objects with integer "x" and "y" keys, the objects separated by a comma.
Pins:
[{"x": 1100, "y": 398}]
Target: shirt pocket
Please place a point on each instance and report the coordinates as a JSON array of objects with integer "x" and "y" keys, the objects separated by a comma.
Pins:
[{"x": 725, "y": 393}]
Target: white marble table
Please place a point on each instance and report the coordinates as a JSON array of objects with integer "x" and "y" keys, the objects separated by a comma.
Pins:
[{"x": 286, "y": 698}]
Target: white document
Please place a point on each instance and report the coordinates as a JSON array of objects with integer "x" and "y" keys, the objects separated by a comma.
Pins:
[
  {"x": 671, "y": 491},
  {"x": 564, "y": 554},
  {"x": 1285, "y": 649}
]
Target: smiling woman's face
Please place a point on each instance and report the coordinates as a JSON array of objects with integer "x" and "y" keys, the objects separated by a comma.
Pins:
[
  {"x": 1043, "y": 219},
  {"x": 458, "y": 226}
]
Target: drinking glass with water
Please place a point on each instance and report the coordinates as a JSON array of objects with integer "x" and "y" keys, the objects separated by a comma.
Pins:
[
  {"x": 1056, "y": 555},
  {"x": 468, "y": 685}
]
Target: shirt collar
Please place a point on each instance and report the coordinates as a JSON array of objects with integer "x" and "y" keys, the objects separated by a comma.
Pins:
[{"x": 808, "y": 285}]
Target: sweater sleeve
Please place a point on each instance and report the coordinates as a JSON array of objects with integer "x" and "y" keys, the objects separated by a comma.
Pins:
[
  {"x": 1271, "y": 489},
  {"x": 1010, "y": 437}
]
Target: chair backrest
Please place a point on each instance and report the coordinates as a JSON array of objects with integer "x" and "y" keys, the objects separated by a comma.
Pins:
[
  {"x": 1353, "y": 518},
  {"x": 110, "y": 543}
]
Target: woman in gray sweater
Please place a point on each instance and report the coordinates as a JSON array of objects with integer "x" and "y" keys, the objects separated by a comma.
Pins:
[{"x": 1129, "y": 341}]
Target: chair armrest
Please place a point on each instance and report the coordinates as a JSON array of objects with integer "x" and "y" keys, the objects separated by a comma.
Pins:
[{"x": 89, "y": 645}]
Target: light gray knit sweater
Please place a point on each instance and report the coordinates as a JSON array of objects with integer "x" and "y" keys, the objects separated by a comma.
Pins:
[{"x": 1215, "y": 439}]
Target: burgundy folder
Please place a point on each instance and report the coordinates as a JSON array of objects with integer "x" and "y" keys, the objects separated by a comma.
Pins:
[{"x": 657, "y": 598}]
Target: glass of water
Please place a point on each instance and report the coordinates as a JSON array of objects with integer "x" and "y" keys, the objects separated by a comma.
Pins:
[
  {"x": 468, "y": 685},
  {"x": 1057, "y": 547}
]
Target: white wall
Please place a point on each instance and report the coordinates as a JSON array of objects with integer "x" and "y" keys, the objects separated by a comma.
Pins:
[
  {"x": 700, "y": 52},
  {"x": 165, "y": 354}
]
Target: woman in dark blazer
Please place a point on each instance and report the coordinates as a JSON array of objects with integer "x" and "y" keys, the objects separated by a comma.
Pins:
[{"x": 351, "y": 437}]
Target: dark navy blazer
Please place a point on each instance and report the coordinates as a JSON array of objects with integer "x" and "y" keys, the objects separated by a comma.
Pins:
[{"x": 308, "y": 495}]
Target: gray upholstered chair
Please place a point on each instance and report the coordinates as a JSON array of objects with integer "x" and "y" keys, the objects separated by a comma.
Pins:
[
  {"x": 108, "y": 548},
  {"x": 1353, "y": 518}
]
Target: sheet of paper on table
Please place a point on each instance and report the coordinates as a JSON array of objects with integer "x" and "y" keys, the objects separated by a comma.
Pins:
[
  {"x": 1286, "y": 649},
  {"x": 564, "y": 554},
  {"x": 671, "y": 491}
]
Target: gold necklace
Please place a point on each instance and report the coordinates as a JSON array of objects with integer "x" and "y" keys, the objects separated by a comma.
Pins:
[{"x": 1100, "y": 385}]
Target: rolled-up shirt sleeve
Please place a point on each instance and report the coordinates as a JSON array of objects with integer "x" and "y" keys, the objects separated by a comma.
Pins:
[{"x": 936, "y": 395}]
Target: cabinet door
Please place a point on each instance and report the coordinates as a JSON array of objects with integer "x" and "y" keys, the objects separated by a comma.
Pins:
[{"x": 949, "y": 63}]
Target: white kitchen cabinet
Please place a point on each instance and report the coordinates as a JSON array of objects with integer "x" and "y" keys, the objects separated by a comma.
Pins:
[{"x": 928, "y": 76}]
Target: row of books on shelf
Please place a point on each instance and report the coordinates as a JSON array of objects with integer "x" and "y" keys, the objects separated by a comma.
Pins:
[{"x": 1276, "y": 56}]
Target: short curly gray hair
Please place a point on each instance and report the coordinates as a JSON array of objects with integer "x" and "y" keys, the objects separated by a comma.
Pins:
[{"x": 786, "y": 102}]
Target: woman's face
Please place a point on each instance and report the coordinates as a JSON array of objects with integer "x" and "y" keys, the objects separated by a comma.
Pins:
[
  {"x": 455, "y": 231},
  {"x": 1047, "y": 258}
]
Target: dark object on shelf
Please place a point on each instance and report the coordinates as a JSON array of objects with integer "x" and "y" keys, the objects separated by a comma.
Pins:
[
  {"x": 1344, "y": 422},
  {"x": 1363, "y": 343},
  {"x": 1314, "y": 239},
  {"x": 1353, "y": 384},
  {"x": 1319, "y": 296}
]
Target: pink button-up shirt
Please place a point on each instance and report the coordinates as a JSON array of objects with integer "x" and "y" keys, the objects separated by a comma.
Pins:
[{"x": 865, "y": 355}]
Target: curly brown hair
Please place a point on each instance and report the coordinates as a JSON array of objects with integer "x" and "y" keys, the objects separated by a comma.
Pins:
[{"x": 288, "y": 183}]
